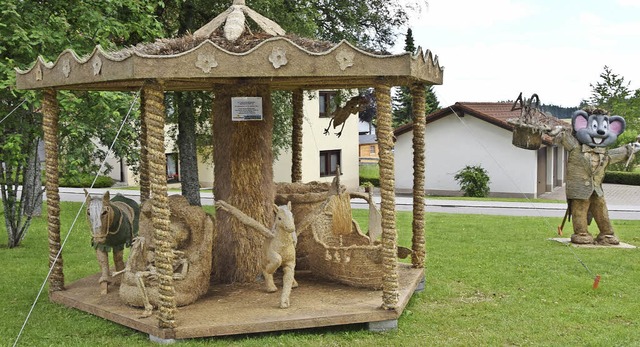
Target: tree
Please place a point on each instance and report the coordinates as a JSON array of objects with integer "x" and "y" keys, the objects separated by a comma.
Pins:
[
  {"x": 402, "y": 100},
  {"x": 612, "y": 93},
  {"x": 371, "y": 24},
  {"x": 41, "y": 27}
]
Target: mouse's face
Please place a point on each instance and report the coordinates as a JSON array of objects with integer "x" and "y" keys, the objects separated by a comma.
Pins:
[{"x": 597, "y": 130}]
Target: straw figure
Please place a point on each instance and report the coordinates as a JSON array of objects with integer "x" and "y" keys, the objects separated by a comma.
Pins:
[
  {"x": 192, "y": 234},
  {"x": 114, "y": 224},
  {"x": 330, "y": 242},
  {"x": 280, "y": 250},
  {"x": 592, "y": 131}
]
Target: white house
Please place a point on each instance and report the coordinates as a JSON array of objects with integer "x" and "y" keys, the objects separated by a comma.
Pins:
[
  {"x": 321, "y": 154},
  {"x": 472, "y": 133}
]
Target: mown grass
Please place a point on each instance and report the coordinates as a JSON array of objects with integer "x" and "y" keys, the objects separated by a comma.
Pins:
[{"x": 490, "y": 281}]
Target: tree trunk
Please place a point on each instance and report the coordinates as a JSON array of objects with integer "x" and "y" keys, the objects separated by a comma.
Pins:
[
  {"x": 244, "y": 178},
  {"x": 187, "y": 147},
  {"x": 32, "y": 187}
]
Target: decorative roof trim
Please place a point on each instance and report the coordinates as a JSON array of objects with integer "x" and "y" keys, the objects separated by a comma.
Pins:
[{"x": 421, "y": 66}]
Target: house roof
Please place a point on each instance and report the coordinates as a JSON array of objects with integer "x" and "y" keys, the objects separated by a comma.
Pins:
[
  {"x": 496, "y": 113},
  {"x": 367, "y": 139}
]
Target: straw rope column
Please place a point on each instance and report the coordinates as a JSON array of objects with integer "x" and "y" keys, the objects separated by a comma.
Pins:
[
  {"x": 144, "y": 152},
  {"x": 155, "y": 116},
  {"x": 296, "y": 141},
  {"x": 387, "y": 192},
  {"x": 51, "y": 112},
  {"x": 419, "y": 124}
]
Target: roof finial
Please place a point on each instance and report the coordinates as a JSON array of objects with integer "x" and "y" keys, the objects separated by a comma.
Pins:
[{"x": 234, "y": 22}]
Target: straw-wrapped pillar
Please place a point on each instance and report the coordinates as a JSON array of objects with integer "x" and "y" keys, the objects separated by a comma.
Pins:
[
  {"x": 296, "y": 136},
  {"x": 419, "y": 124},
  {"x": 144, "y": 152},
  {"x": 387, "y": 193},
  {"x": 51, "y": 113},
  {"x": 243, "y": 177},
  {"x": 155, "y": 120}
]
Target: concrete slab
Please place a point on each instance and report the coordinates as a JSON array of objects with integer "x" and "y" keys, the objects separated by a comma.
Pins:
[{"x": 566, "y": 240}]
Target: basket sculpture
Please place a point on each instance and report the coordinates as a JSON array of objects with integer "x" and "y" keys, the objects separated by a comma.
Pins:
[{"x": 530, "y": 126}]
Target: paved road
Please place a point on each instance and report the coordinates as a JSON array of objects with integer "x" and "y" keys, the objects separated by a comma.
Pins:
[{"x": 623, "y": 202}]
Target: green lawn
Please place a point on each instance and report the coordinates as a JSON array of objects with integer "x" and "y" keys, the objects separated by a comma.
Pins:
[{"x": 486, "y": 285}]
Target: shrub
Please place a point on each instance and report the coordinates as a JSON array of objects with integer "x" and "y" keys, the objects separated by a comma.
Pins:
[
  {"x": 474, "y": 181},
  {"x": 85, "y": 180},
  {"x": 622, "y": 177},
  {"x": 374, "y": 181},
  {"x": 370, "y": 173}
]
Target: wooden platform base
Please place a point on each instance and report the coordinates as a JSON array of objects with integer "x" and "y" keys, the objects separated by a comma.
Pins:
[{"x": 243, "y": 309}]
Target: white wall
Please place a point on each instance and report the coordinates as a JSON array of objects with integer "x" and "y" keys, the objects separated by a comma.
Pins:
[
  {"x": 450, "y": 146},
  {"x": 314, "y": 141}
]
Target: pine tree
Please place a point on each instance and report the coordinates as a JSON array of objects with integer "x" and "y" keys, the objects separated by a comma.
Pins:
[{"x": 402, "y": 102}]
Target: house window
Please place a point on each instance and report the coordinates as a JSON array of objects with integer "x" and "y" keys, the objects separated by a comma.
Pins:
[
  {"x": 327, "y": 104},
  {"x": 372, "y": 149},
  {"x": 172, "y": 168},
  {"x": 329, "y": 162}
]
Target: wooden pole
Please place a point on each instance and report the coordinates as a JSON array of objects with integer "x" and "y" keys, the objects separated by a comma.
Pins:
[
  {"x": 296, "y": 141},
  {"x": 155, "y": 116},
  {"x": 51, "y": 112},
  {"x": 419, "y": 124},
  {"x": 144, "y": 152},
  {"x": 387, "y": 191}
]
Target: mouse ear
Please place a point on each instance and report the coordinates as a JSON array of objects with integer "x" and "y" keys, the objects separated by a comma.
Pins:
[
  {"x": 579, "y": 120},
  {"x": 617, "y": 124}
]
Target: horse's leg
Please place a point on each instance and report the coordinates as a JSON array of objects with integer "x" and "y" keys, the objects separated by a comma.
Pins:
[
  {"x": 273, "y": 261},
  {"x": 103, "y": 261},
  {"x": 118, "y": 260},
  {"x": 287, "y": 283}
]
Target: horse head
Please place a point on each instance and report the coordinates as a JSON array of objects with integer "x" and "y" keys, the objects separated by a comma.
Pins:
[
  {"x": 284, "y": 218},
  {"x": 100, "y": 216}
]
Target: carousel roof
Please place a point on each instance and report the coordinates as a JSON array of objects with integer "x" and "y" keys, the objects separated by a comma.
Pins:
[{"x": 224, "y": 52}]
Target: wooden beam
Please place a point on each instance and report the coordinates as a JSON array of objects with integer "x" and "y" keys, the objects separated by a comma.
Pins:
[
  {"x": 419, "y": 124},
  {"x": 296, "y": 136},
  {"x": 387, "y": 192},
  {"x": 51, "y": 112},
  {"x": 163, "y": 239}
]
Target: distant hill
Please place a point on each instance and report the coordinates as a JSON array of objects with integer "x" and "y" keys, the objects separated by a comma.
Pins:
[{"x": 558, "y": 111}]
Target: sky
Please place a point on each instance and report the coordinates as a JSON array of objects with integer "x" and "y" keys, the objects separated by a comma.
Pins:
[{"x": 492, "y": 50}]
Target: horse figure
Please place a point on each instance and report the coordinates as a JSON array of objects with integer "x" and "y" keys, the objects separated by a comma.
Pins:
[
  {"x": 279, "y": 249},
  {"x": 114, "y": 224}
]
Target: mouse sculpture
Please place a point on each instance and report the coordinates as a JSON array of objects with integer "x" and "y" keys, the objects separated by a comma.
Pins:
[{"x": 592, "y": 130}]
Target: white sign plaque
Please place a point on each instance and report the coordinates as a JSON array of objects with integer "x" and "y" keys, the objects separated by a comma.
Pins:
[{"x": 246, "y": 108}]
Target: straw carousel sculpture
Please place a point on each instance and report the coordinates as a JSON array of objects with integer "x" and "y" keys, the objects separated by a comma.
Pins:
[{"x": 237, "y": 65}]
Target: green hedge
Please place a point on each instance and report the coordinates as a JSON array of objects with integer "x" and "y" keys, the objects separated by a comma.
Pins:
[
  {"x": 622, "y": 177},
  {"x": 84, "y": 181},
  {"x": 373, "y": 180}
]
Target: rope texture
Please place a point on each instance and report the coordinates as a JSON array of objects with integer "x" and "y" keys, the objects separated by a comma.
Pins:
[
  {"x": 155, "y": 116},
  {"x": 51, "y": 112},
  {"x": 296, "y": 141},
  {"x": 387, "y": 187},
  {"x": 144, "y": 152},
  {"x": 419, "y": 124}
]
